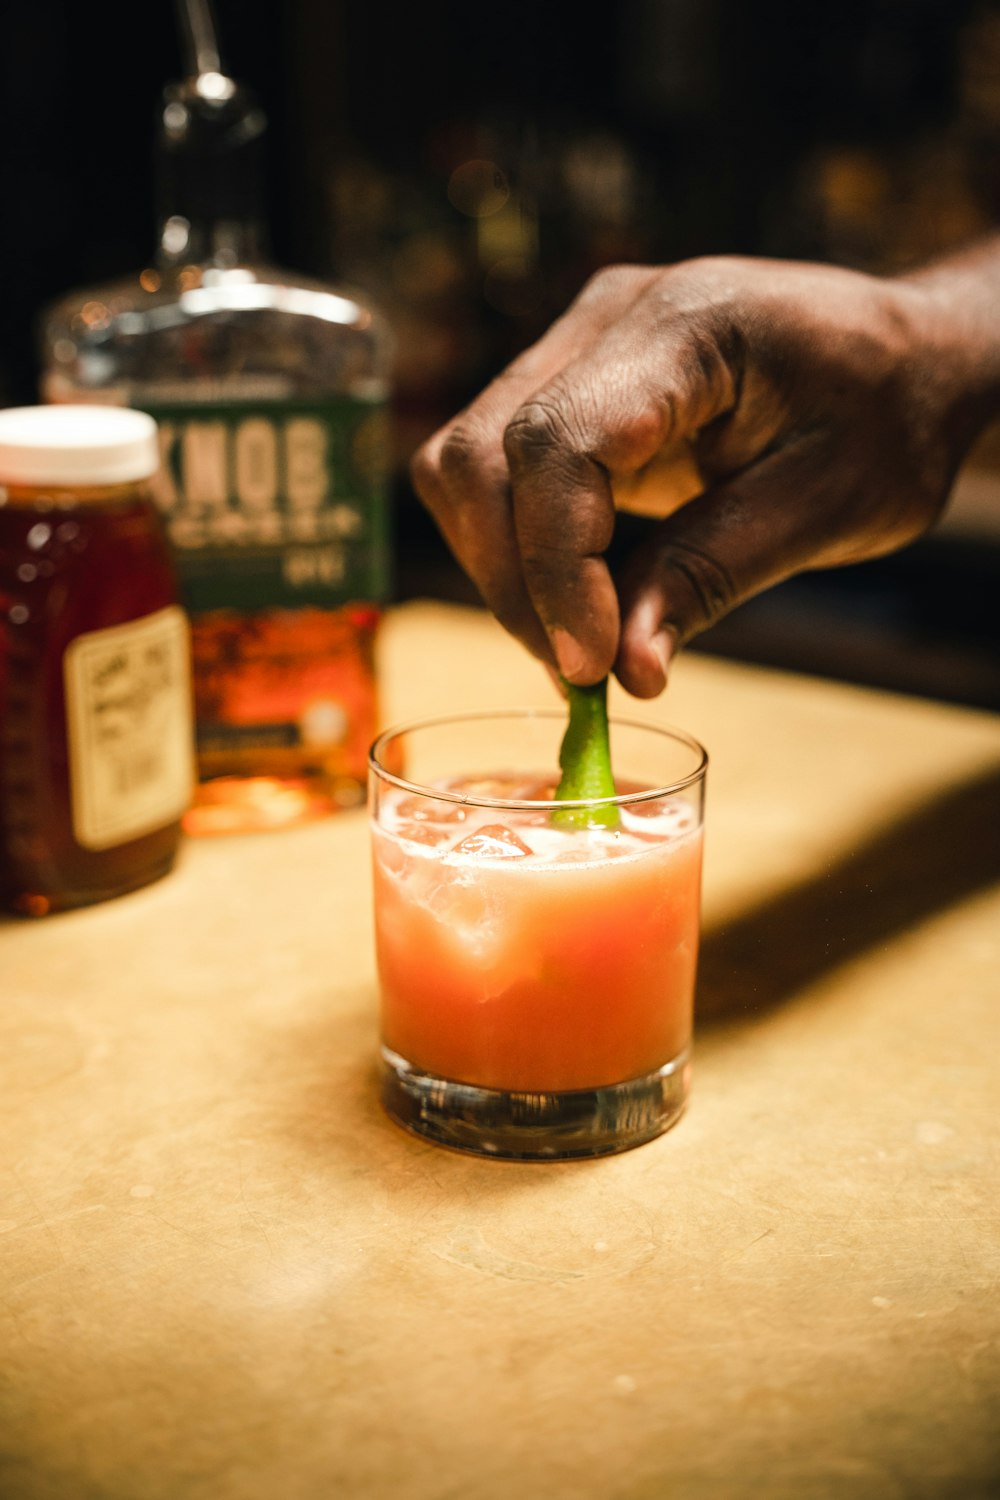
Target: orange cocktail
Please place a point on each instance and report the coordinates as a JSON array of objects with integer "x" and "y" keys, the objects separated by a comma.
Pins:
[{"x": 537, "y": 979}]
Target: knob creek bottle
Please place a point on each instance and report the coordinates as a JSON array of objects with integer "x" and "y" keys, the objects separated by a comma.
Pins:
[{"x": 270, "y": 392}]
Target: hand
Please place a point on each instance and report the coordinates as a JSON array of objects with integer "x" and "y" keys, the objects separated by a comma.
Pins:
[{"x": 823, "y": 410}]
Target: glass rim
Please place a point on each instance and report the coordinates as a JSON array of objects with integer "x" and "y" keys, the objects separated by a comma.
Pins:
[{"x": 622, "y": 799}]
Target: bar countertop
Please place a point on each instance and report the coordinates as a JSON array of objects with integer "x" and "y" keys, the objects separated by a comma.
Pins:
[{"x": 224, "y": 1275}]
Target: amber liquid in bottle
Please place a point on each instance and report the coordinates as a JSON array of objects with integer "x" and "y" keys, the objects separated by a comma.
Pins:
[
  {"x": 67, "y": 569},
  {"x": 270, "y": 391}
]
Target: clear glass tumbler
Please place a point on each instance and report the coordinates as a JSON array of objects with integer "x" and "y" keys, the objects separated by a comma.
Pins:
[{"x": 536, "y": 958}]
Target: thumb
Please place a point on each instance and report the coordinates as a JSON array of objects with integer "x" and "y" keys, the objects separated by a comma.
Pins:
[{"x": 729, "y": 543}]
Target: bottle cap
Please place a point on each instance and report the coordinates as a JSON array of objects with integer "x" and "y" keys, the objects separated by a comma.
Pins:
[{"x": 76, "y": 445}]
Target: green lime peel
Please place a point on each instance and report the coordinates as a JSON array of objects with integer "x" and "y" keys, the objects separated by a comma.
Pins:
[{"x": 585, "y": 760}]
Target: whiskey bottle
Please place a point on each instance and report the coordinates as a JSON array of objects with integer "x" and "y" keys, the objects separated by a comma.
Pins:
[{"x": 270, "y": 394}]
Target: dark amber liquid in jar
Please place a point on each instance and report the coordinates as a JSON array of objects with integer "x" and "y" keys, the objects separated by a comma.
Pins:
[{"x": 69, "y": 564}]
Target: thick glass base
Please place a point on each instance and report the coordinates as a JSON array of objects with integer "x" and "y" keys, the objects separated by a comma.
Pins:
[{"x": 535, "y": 1127}]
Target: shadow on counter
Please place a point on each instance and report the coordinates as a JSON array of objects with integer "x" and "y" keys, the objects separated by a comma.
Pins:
[{"x": 944, "y": 852}]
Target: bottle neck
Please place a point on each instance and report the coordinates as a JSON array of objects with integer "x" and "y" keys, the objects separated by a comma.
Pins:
[
  {"x": 210, "y": 171},
  {"x": 214, "y": 242}
]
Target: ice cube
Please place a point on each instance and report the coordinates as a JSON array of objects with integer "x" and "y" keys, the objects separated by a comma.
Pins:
[
  {"x": 537, "y": 790},
  {"x": 493, "y": 788},
  {"x": 493, "y": 841},
  {"x": 429, "y": 810},
  {"x": 657, "y": 819},
  {"x": 424, "y": 820},
  {"x": 505, "y": 786},
  {"x": 421, "y": 833}
]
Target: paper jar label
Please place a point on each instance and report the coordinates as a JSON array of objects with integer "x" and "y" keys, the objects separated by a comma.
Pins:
[{"x": 129, "y": 722}]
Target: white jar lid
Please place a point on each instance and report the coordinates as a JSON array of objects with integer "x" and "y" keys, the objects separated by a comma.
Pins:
[{"x": 76, "y": 445}]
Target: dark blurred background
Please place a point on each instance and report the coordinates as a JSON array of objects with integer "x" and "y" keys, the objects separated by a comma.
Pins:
[{"x": 470, "y": 166}]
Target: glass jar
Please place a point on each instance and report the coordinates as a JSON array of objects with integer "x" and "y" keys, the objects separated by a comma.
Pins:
[{"x": 96, "y": 736}]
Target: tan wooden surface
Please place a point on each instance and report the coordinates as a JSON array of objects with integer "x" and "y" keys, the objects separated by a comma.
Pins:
[{"x": 224, "y": 1275}]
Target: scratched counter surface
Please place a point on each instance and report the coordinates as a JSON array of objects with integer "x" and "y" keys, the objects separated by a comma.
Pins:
[{"x": 223, "y": 1273}]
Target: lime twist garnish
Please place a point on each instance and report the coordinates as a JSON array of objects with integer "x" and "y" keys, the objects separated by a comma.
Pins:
[{"x": 585, "y": 760}]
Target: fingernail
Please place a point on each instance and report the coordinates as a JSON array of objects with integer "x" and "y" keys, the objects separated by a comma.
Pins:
[{"x": 569, "y": 653}]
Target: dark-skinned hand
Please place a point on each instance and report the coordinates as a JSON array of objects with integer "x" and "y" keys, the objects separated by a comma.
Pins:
[{"x": 773, "y": 416}]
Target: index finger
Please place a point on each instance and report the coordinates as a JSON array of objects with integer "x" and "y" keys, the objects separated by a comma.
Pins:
[
  {"x": 637, "y": 391},
  {"x": 461, "y": 472}
]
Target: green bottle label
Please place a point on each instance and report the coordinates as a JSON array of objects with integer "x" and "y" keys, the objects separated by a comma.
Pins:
[{"x": 276, "y": 504}]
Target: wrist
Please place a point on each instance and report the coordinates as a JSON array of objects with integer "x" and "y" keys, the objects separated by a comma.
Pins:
[{"x": 953, "y": 308}]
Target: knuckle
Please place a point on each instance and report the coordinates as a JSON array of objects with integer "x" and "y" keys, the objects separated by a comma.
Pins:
[
  {"x": 714, "y": 277},
  {"x": 704, "y": 292},
  {"x": 713, "y": 268},
  {"x": 644, "y": 429},
  {"x": 611, "y": 282},
  {"x": 424, "y": 474},
  {"x": 535, "y": 430},
  {"x": 709, "y": 588},
  {"x": 459, "y": 457},
  {"x": 540, "y": 562},
  {"x": 549, "y": 571}
]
